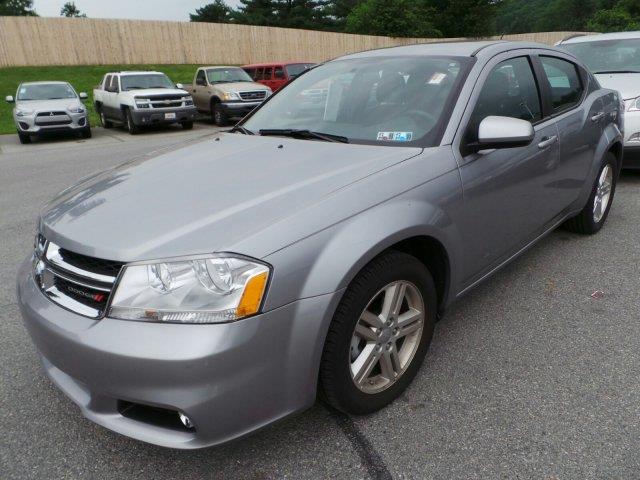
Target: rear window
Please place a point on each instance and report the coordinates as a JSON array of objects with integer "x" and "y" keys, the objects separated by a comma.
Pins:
[
  {"x": 296, "y": 69},
  {"x": 565, "y": 83}
]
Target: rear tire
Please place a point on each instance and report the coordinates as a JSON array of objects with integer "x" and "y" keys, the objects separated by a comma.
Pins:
[
  {"x": 103, "y": 118},
  {"x": 394, "y": 350},
  {"x": 131, "y": 127},
  {"x": 592, "y": 217},
  {"x": 24, "y": 138},
  {"x": 187, "y": 125},
  {"x": 218, "y": 115}
]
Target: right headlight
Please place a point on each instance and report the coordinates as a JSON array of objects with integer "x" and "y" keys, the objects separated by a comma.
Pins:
[
  {"x": 23, "y": 112},
  {"x": 632, "y": 104},
  {"x": 226, "y": 96},
  {"x": 213, "y": 289}
]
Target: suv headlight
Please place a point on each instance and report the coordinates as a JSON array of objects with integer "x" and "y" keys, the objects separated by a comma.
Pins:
[
  {"x": 188, "y": 101},
  {"x": 76, "y": 108},
  {"x": 142, "y": 103},
  {"x": 632, "y": 104},
  {"x": 213, "y": 289},
  {"x": 230, "y": 96},
  {"x": 23, "y": 112}
]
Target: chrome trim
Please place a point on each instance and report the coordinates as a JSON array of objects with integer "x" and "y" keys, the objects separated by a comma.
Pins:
[
  {"x": 53, "y": 257},
  {"x": 77, "y": 282},
  {"x": 45, "y": 281}
]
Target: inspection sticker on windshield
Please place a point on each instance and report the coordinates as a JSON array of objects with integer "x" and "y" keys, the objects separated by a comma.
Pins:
[{"x": 395, "y": 136}]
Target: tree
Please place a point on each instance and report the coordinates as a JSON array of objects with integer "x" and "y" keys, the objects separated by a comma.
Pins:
[
  {"x": 69, "y": 9},
  {"x": 256, "y": 12},
  {"x": 308, "y": 14},
  {"x": 612, "y": 20},
  {"x": 17, "y": 8},
  {"x": 216, "y": 12},
  {"x": 337, "y": 11},
  {"x": 398, "y": 18}
]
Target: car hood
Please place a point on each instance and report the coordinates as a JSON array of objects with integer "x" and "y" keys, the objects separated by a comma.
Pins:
[
  {"x": 207, "y": 196},
  {"x": 58, "y": 104},
  {"x": 240, "y": 86},
  {"x": 628, "y": 84}
]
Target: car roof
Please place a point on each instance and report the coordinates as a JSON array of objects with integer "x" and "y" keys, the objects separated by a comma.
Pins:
[
  {"x": 452, "y": 49},
  {"x": 44, "y": 82},
  {"x": 274, "y": 64},
  {"x": 135, "y": 72},
  {"x": 219, "y": 66},
  {"x": 601, "y": 36}
]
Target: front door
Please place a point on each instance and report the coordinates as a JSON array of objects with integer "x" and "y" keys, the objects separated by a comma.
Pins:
[{"x": 505, "y": 190}]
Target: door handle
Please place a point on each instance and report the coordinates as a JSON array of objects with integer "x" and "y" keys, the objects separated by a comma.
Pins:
[
  {"x": 546, "y": 141},
  {"x": 598, "y": 116}
]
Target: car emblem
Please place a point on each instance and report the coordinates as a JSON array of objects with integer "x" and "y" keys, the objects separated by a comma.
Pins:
[{"x": 51, "y": 114}]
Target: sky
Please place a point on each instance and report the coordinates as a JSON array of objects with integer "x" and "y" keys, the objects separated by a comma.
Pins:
[{"x": 138, "y": 9}]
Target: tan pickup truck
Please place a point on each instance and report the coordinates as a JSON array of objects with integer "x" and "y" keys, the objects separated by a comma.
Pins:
[{"x": 226, "y": 92}]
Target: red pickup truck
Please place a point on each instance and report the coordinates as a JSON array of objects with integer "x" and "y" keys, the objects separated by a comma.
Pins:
[{"x": 276, "y": 75}]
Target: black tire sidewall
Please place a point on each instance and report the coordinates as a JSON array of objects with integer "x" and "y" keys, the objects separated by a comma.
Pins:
[{"x": 338, "y": 385}]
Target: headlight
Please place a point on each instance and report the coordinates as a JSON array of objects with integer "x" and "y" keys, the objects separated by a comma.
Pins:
[
  {"x": 632, "y": 104},
  {"x": 23, "y": 112},
  {"x": 76, "y": 108},
  {"x": 188, "y": 101},
  {"x": 230, "y": 96},
  {"x": 143, "y": 103},
  {"x": 214, "y": 289}
]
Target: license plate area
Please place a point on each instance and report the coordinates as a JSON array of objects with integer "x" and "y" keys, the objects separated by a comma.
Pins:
[{"x": 169, "y": 116}]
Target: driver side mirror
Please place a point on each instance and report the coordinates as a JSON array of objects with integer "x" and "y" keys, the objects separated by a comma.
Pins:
[
  {"x": 9, "y": 99},
  {"x": 504, "y": 132},
  {"x": 83, "y": 95}
]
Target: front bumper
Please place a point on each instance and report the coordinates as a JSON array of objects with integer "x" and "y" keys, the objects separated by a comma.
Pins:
[
  {"x": 238, "y": 108},
  {"x": 51, "y": 124},
  {"x": 631, "y": 158},
  {"x": 229, "y": 379},
  {"x": 151, "y": 116}
]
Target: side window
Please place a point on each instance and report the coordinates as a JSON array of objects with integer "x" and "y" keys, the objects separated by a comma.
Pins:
[
  {"x": 107, "y": 82},
  {"x": 510, "y": 90},
  {"x": 201, "y": 79},
  {"x": 267, "y": 73},
  {"x": 259, "y": 75},
  {"x": 114, "y": 84},
  {"x": 278, "y": 73},
  {"x": 564, "y": 81}
]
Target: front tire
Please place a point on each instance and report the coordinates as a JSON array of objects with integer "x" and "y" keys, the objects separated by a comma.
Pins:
[
  {"x": 379, "y": 335},
  {"x": 129, "y": 124},
  {"x": 86, "y": 132},
  {"x": 592, "y": 217},
  {"x": 24, "y": 138},
  {"x": 218, "y": 115},
  {"x": 187, "y": 125}
]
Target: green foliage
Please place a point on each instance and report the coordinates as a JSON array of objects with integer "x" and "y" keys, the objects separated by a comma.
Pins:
[
  {"x": 216, "y": 12},
  {"x": 17, "y": 8},
  {"x": 84, "y": 78},
  {"x": 69, "y": 9},
  {"x": 400, "y": 18},
  {"x": 613, "y": 20}
]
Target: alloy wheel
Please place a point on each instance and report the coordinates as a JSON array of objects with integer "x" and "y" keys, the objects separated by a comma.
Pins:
[
  {"x": 386, "y": 337},
  {"x": 603, "y": 193}
]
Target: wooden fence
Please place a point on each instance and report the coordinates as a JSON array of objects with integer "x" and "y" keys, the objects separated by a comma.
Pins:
[{"x": 82, "y": 41}]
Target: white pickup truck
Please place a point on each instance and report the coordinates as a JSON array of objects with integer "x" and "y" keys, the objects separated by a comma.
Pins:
[{"x": 137, "y": 99}]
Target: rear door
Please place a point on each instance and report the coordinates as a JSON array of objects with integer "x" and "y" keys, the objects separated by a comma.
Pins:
[
  {"x": 279, "y": 77},
  {"x": 111, "y": 97},
  {"x": 506, "y": 191},
  {"x": 578, "y": 111}
]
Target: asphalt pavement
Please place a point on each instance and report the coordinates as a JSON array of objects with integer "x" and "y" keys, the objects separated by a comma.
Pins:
[{"x": 530, "y": 376}]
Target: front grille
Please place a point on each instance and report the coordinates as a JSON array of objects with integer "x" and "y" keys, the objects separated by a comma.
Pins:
[
  {"x": 255, "y": 95},
  {"x": 53, "y": 123},
  {"x": 164, "y": 101},
  {"x": 76, "y": 282},
  {"x": 50, "y": 114}
]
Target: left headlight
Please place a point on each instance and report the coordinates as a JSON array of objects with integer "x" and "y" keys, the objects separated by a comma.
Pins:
[
  {"x": 76, "y": 108},
  {"x": 23, "y": 112},
  {"x": 214, "y": 289},
  {"x": 226, "y": 96}
]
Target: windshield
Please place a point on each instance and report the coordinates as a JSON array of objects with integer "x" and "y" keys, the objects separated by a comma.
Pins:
[
  {"x": 296, "y": 69},
  {"x": 228, "y": 75},
  {"x": 152, "y": 80},
  {"x": 48, "y": 91},
  {"x": 608, "y": 56},
  {"x": 387, "y": 101}
]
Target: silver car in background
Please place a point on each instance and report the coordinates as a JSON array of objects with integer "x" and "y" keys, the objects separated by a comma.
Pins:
[
  {"x": 193, "y": 297},
  {"x": 49, "y": 107},
  {"x": 614, "y": 59}
]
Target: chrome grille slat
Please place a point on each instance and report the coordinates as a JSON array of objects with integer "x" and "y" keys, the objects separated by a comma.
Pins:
[{"x": 72, "y": 280}]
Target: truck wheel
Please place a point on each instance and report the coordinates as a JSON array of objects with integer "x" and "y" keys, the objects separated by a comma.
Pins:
[
  {"x": 379, "y": 335},
  {"x": 592, "y": 217},
  {"x": 218, "y": 115},
  {"x": 86, "y": 132},
  {"x": 103, "y": 119},
  {"x": 187, "y": 125},
  {"x": 131, "y": 127},
  {"x": 24, "y": 138}
]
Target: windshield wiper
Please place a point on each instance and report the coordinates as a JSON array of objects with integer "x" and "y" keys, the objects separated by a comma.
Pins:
[
  {"x": 616, "y": 71},
  {"x": 241, "y": 129},
  {"x": 301, "y": 133}
]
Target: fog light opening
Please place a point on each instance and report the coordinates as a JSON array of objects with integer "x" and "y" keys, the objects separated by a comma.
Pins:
[{"x": 186, "y": 421}]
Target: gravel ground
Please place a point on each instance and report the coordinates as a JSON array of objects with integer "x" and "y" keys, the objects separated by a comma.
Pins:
[{"x": 528, "y": 376}]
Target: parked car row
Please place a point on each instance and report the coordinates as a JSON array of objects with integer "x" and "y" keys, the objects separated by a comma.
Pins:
[{"x": 135, "y": 100}]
